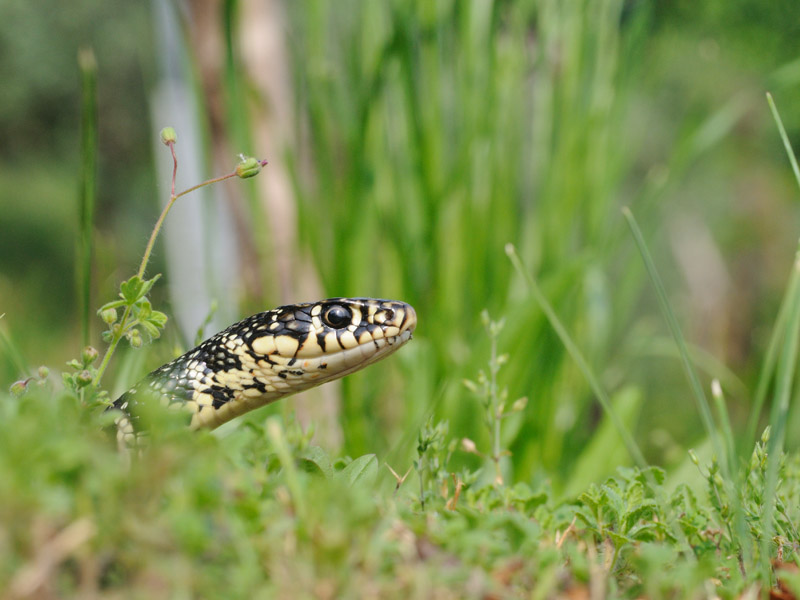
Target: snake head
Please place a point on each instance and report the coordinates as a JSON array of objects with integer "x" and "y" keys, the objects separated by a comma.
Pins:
[
  {"x": 274, "y": 354},
  {"x": 292, "y": 348}
]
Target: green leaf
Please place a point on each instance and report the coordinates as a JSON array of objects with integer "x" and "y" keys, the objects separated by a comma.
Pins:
[
  {"x": 657, "y": 473},
  {"x": 319, "y": 458},
  {"x": 113, "y": 304},
  {"x": 147, "y": 285},
  {"x": 158, "y": 318},
  {"x": 142, "y": 308},
  {"x": 619, "y": 539},
  {"x": 129, "y": 290},
  {"x": 615, "y": 502},
  {"x": 152, "y": 330},
  {"x": 362, "y": 467},
  {"x": 135, "y": 288}
]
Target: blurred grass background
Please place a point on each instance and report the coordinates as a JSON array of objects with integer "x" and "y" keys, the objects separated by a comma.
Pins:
[{"x": 408, "y": 143}]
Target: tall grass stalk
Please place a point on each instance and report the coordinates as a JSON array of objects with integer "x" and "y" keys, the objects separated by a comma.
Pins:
[
  {"x": 778, "y": 415},
  {"x": 784, "y": 137},
  {"x": 785, "y": 376},
  {"x": 438, "y": 132},
  {"x": 778, "y": 331},
  {"x": 725, "y": 453},
  {"x": 88, "y": 186},
  {"x": 769, "y": 363},
  {"x": 672, "y": 322},
  {"x": 577, "y": 356}
]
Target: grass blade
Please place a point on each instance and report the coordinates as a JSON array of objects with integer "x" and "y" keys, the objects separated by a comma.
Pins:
[
  {"x": 725, "y": 454},
  {"x": 12, "y": 352},
  {"x": 783, "y": 313},
  {"x": 577, "y": 356},
  {"x": 778, "y": 416},
  {"x": 788, "y": 321},
  {"x": 770, "y": 360},
  {"x": 672, "y": 322},
  {"x": 88, "y": 190},
  {"x": 784, "y": 137}
]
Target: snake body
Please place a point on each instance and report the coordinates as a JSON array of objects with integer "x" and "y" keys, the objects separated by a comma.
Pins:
[{"x": 270, "y": 355}]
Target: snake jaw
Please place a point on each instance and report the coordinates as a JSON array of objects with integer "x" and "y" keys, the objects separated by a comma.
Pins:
[{"x": 277, "y": 353}]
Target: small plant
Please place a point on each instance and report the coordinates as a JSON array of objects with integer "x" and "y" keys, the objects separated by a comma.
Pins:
[
  {"x": 493, "y": 400},
  {"x": 433, "y": 454},
  {"x": 132, "y": 314}
]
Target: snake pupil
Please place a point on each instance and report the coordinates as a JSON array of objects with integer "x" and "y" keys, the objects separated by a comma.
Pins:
[{"x": 338, "y": 316}]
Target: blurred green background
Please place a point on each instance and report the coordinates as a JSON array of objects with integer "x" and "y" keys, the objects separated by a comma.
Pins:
[{"x": 408, "y": 142}]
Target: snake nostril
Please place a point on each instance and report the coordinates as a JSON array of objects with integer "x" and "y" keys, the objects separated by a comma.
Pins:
[{"x": 388, "y": 315}]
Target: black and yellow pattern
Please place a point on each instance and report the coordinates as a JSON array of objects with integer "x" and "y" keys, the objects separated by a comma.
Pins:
[{"x": 271, "y": 355}]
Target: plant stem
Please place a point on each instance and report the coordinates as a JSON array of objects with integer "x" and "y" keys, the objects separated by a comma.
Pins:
[
  {"x": 172, "y": 197},
  {"x": 422, "y": 486},
  {"x": 123, "y": 323},
  {"x": 88, "y": 193},
  {"x": 493, "y": 368},
  {"x": 111, "y": 347}
]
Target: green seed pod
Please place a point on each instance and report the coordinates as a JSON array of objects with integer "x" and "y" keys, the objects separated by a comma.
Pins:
[
  {"x": 43, "y": 372},
  {"x": 249, "y": 167},
  {"x": 109, "y": 315},
  {"x": 168, "y": 136}
]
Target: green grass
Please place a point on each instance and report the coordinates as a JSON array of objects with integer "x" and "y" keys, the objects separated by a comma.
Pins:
[
  {"x": 438, "y": 143},
  {"x": 435, "y": 142},
  {"x": 263, "y": 513}
]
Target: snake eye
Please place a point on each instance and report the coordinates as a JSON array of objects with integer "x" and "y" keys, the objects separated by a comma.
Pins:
[{"x": 337, "y": 316}]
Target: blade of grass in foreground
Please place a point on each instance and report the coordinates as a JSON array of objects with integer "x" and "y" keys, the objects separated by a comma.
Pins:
[
  {"x": 88, "y": 67},
  {"x": 778, "y": 416},
  {"x": 770, "y": 360},
  {"x": 789, "y": 314},
  {"x": 738, "y": 529},
  {"x": 672, "y": 322},
  {"x": 780, "y": 325},
  {"x": 784, "y": 137},
  {"x": 577, "y": 356}
]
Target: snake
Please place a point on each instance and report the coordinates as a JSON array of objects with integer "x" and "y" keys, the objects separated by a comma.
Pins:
[{"x": 268, "y": 356}]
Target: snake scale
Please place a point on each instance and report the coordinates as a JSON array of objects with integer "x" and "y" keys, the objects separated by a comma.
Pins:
[{"x": 270, "y": 355}]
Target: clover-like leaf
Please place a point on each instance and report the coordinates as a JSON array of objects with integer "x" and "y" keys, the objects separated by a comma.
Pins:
[
  {"x": 158, "y": 318},
  {"x": 129, "y": 290}
]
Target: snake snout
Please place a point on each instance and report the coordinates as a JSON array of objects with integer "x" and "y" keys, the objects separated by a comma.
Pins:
[{"x": 409, "y": 322}]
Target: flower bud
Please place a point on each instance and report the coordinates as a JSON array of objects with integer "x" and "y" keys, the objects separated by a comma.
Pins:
[
  {"x": 83, "y": 378},
  {"x": 467, "y": 445},
  {"x": 18, "y": 388},
  {"x": 89, "y": 355},
  {"x": 109, "y": 315},
  {"x": 519, "y": 404},
  {"x": 43, "y": 372},
  {"x": 249, "y": 167},
  {"x": 168, "y": 136},
  {"x": 135, "y": 339}
]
